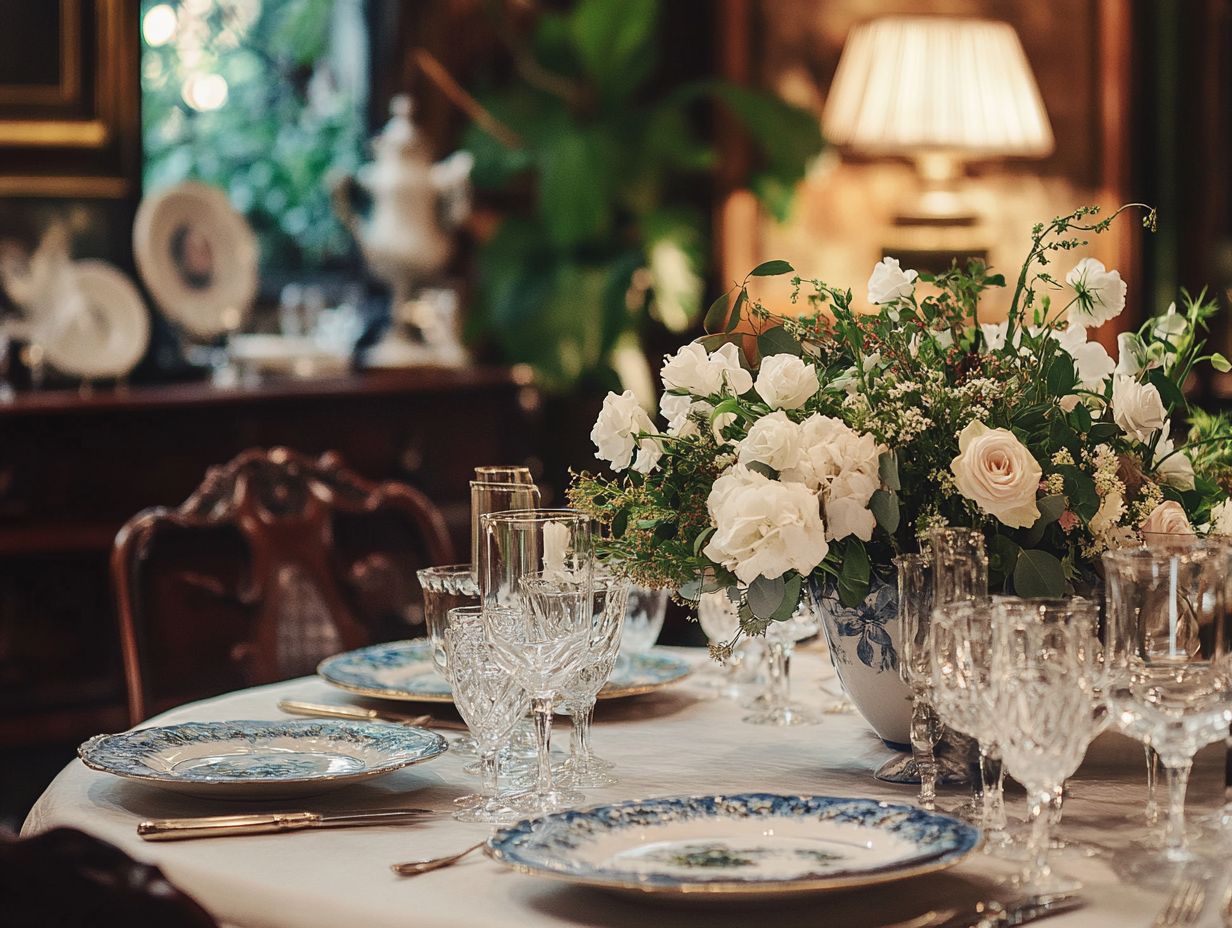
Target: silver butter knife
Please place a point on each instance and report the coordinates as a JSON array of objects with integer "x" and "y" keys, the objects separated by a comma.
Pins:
[
  {"x": 992, "y": 914},
  {"x": 217, "y": 826},
  {"x": 322, "y": 710}
]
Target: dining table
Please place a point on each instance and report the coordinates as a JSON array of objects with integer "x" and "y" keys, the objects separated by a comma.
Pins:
[{"x": 684, "y": 739}]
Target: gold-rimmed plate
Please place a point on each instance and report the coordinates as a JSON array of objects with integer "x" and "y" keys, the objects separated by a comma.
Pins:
[{"x": 403, "y": 670}]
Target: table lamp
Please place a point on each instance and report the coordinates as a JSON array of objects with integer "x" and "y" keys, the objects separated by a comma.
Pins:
[{"x": 940, "y": 91}]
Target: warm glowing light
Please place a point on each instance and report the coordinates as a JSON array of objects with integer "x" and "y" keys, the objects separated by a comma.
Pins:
[
  {"x": 205, "y": 91},
  {"x": 159, "y": 25}
]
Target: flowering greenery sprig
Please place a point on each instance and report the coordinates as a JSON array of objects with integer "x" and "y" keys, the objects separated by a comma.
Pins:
[{"x": 819, "y": 446}]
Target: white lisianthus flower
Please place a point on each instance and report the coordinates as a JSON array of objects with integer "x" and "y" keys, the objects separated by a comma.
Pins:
[
  {"x": 1176, "y": 470},
  {"x": 1137, "y": 408},
  {"x": 615, "y": 433},
  {"x": 773, "y": 440},
  {"x": 764, "y": 527},
  {"x": 994, "y": 335},
  {"x": 705, "y": 374},
  {"x": 1099, "y": 294},
  {"x": 889, "y": 282},
  {"x": 786, "y": 382},
  {"x": 1171, "y": 326},
  {"x": 1168, "y": 518},
  {"x": 1131, "y": 354},
  {"x": 1092, "y": 362},
  {"x": 678, "y": 410},
  {"x": 1221, "y": 518},
  {"x": 841, "y": 465},
  {"x": 996, "y": 472}
]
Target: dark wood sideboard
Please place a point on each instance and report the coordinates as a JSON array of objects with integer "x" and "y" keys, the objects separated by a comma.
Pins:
[{"x": 74, "y": 468}]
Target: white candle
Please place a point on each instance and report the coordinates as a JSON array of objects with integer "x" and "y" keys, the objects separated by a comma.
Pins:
[{"x": 555, "y": 545}]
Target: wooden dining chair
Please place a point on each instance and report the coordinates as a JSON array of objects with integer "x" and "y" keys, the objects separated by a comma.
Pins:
[{"x": 276, "y": 561}]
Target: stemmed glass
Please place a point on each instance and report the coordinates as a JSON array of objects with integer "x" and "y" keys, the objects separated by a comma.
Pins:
[
  {"x": 489, "y": 700},
  {"x": 1166, "y": 657},
  {"x": 960, "y": 575},
  {"x": 583, "y": 769},
  {"x": 1042, "y": 709},
  {"x": 915, "y": 606},
  {"x": 720, "y": 621},
  {"x": 643, "y": 620},
  {"x": 535, "y": 581},
  {"x": 781, "y": 638}
]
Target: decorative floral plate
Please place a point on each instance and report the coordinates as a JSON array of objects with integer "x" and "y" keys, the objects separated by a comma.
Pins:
[
  {"x": 751, "y": 844},
  {"x": 260, "y": 760},
  {"x": 404, "y": 670}
]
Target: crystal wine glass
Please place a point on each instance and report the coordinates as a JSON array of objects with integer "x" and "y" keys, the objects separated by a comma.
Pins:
[
  {"x": 583, "y": 769},
  {"x": 960, "y": 573},
  {"x": 1167, "y": 658},
  {"x": 490, "y": 701},
  {"x": 535, "y": 581},
  {"x": 1042, "y": 702},
  {"x": 781, "y": 638},
  {"x": 915, "y": 606}
]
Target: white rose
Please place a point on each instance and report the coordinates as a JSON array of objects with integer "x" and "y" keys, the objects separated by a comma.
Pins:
[
  {"x": 678, "y": 411},
  {"x": 702, "y": 374},
  {"x": 1176, "y": 470},
  {"x": 842, "y": 465},
  {"x": 773, "y": 440},
  {"x": 764, "y": 527},
  {"x": 1137, "y": 408},
  {"x": 1168, "y": 518},
  {"x": 615, "y": 433},
  {"x": 889, "y": 282},
  {"x": 1221, "y": 518},
  {"x": 1099, "y": 294},
  {"x": 996, "y": 472},
  {"x": 786, "y": 382}
]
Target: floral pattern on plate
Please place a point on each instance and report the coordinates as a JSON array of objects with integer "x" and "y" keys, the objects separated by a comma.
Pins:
[
  {"x": 404, "y": 670},
  {"x": 747, "y": 844},
  {"x": 281, "y": 757}
]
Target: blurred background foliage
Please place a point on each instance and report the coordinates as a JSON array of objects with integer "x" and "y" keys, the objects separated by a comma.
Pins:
[
  {"x": 606, "y": 240},
  {"x": 262, "y": 98}
]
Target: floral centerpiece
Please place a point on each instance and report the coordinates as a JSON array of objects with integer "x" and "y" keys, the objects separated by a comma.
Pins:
[{"x": 803, "y": 453}]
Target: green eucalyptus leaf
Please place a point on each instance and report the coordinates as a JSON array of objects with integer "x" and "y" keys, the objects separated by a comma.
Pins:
[
  {"x": 692, "y": 591},
  {"x": 791, "y": 599},
  {"x": 887, "y": 470},
  {"x": 765, "y": 596},
  {"x": 777, "y": 341},
  {"x": 701, "y": 540},
  {"x": 884, "y": 506},
  {"x": 764, "y": 469},
  {"x": 771, "y": 269},
  {"x": 854, "y": 572},
  {"x": 1050, "y": 508},
  {"x": 1003, "y": 554},
  {"x": 1038, "y": 575}
]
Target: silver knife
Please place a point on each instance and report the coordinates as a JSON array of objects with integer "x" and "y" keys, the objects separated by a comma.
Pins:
[
  {"x": 211, "y": 826},
  {"x": 994, "y": 914},
  {"x": 322, "y": 710}
]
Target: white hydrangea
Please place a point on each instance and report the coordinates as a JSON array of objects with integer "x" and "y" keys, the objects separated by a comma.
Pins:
[{"x": 842, "y": 466}]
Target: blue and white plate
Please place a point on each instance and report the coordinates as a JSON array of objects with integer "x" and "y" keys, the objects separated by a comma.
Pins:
[
  {"x": 404, "y": 670},
  {"x": 260, "y": 760},
  {"x": 750, "y": 844}
]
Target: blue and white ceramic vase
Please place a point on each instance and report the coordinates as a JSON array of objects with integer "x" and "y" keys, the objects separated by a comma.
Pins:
[{"x": 864, "y": 647}]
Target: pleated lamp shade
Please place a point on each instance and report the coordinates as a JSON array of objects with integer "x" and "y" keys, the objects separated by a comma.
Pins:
[{"x": 912, "y": 84}]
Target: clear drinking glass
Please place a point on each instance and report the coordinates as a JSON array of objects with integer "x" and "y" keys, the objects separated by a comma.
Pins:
[
  {"x": 1167, "y": 614},
  {"x": 1042, "y": 708},
  {"x": 535, "y": 582},
  {"x": 489, "y": 496},
  {"x": 503, "y": 473},
  {"x": 960, "y": 573},
  {"x": 490, "y": 701},
  {"x": 583, "y": 769},
  {"x": 915, "y": 607},
  {"x": 781, "y": 638},
  {"x": 444, "y": 588},
  {"x": 643, "y": 620}
]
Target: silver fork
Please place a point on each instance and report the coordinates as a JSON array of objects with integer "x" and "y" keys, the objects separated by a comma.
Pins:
[{"x": 1183, "y": 906}]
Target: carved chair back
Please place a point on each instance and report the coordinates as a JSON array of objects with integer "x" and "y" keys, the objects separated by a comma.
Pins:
[{"x": 276, "y": 561}]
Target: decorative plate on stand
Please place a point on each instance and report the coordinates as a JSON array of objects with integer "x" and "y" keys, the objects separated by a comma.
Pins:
[
  {"x": 103, "y": 331},
  {"x": 198, "y": 258}
]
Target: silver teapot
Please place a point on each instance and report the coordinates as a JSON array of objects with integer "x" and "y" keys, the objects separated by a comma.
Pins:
[{"x": 407, "y": 237}]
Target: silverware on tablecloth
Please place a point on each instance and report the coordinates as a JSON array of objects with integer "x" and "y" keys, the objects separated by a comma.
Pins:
[
  {"x": 323, "y": 710},
  {"x": 212, "y": 826},
  {"x": 1184, "y": 905},
  {"x": 416, "y": 867},
  {"x": 993, "y": 914}
]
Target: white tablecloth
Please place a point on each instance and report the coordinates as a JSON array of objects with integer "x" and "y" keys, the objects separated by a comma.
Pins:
[{"x": 673, "y": 742}]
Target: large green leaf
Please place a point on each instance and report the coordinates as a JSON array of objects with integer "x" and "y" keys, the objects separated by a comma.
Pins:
[
  {"x": 884, "y": 506},
  {"x": 1038, "y": 575},
  {"x": 573, "y": 194},
  {"x": 766, "y": 595},
  {"x": 771, "y": 269},
  {"x": 777, "y": 341},
  {"x": 854, "y": 573},
  {"x": 615, "y": 42}
]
